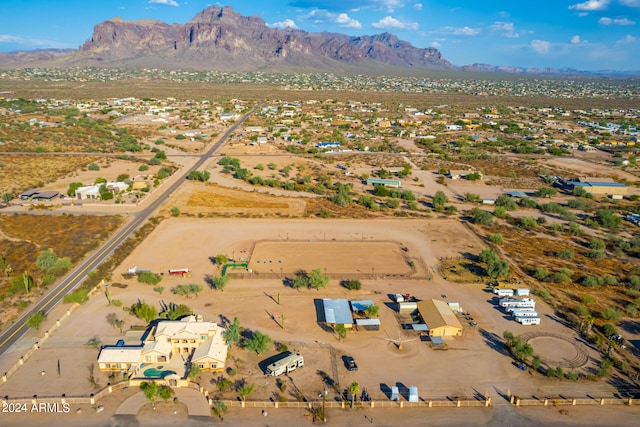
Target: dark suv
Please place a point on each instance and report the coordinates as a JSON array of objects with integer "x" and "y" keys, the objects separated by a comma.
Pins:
[{"x": 350, "y": 363}]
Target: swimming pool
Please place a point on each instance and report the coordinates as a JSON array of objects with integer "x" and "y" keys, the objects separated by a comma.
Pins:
[{"x": 158, "y": 372}]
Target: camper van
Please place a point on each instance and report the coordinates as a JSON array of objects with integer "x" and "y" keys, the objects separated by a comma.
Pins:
[
  {"x": 528, "y": 320},
  {"x": 503, "y": 292},
  {"x": 522, "y": 292},
  {"x": 290, "y": 362}
]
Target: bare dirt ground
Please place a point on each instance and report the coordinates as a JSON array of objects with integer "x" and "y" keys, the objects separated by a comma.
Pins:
[
  {"x": 584, "y": 168},
  {"x": 474, "y": 363},
  {"x": 197, "y": 198}
]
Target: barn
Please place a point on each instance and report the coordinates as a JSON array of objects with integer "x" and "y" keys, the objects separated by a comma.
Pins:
[{"x": 439, "y": 318}]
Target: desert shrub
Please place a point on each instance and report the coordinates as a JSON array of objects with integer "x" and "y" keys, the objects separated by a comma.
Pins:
[
  {"x": 352, "y": 285},
  {"x": 528, "y": 223},
  {"x": 149, "y": 278},
  {"x": 79, "y": 296},
  {"x": 611, "y": 313},
  {"x": 565, "y": 254},
  {"x": 496, "y": 238}
]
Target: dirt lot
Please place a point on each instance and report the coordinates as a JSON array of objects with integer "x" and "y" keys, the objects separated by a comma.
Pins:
[{"x": 475, "y": 362}]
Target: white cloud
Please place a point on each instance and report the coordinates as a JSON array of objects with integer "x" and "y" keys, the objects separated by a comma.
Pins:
[
  {"x": 322, "y": 16},
  {"x": 630, "y": 3},
  {"x": 575, "y": 39},
  {"x": 344, "y": 21},
  {"x": 391, "y": 5},
  {"x": 172, "y": 3},
  {"x": 390, "y": 22},
  {"x": 540, "y": 46},
  {"x": 615, "y": 21},
  {"x": 33, "y": 43},
  {"x": 628, "y": 39},
  {"x": 435, "y": 44},
  {"x": 591, "y": 5},
  {"x": 417, "y": 6},
  {"x": 505, "y": 29},
  {"x": 461, "y": 31},
  {"x": 287, "y": 23}
]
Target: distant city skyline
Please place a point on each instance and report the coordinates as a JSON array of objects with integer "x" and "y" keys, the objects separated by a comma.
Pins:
[{"x": 586, "y": 35}]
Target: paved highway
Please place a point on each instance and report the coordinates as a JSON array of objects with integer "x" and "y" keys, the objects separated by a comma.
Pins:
[{"x": 55, "y": 294}]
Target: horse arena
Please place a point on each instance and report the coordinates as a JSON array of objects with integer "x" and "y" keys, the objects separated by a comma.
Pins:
[{"x": 382, "y": 258}]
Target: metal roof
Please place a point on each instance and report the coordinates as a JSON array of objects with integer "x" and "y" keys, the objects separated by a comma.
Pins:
[
  {"x": 367, "y": 322},
  {"x": 361, "y": 305},
  {"x": 337, "y": 311}
]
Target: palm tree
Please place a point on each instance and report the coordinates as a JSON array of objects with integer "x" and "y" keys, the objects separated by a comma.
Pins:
[{"x": 354, "y": 389}]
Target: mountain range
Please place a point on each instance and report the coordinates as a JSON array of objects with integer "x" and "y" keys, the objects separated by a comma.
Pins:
[{"x": 221, "y": 39}]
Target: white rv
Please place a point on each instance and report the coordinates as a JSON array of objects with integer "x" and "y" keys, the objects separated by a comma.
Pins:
[
  {"x": 522, "y": 292},
  {"x": 503, "y": 292},
  {"x": 528, "y": 320},
  {"x": 524, "y": 313},
  {"x": 514, "y": 302},
  {"x": 516, "y": 309},
  {"x": 290, "y": 362}
]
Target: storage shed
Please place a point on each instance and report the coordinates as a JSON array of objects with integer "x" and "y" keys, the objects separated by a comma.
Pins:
[
  {"x": 368, "y": 324},
  {"x": 439, "y": 318}
]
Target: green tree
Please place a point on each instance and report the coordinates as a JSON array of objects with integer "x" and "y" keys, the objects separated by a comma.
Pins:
[
  {"x": 221, "y": 259},
  {"x": 506, "y": 202},
  {"x": 219, "y": 407},
  {"x": 219, "y": 281},
  {"x": 233, "y": 333},
  {"x": 597, "y": 244},
  {"x": 496, "y": 238},
  {"x": 373, "y": 311},
  {"x": 471, "y": 197},
  {"x": 354, "y": 389},
  {"x": 175, "y": 211},
  {"x": 500, "y": 212},
  {"x": 608, "y": 219},
  {"x": 165, "y": 393},
  {"x": 177, "y": 311},
  {"x": 498, "y": 269},
  {"x": 149, "y": 278},
  {"x": 487, "y": 255},
  {"x": 194, "y": 371},
  {"x": 480, "y": 216},
  {"x": 528, "y": 223},
  {"x": 546, "y": 192},
  {"x": 317, "y": 280},
  {"x": 301, "y": 281},
  {"x": 258, "y": 342},
  {"x": 352, "y": 285},
  {"x": 144, "y": 311},
  {"x": 439, "y": 199},
  {"x": 151, "y": 391},
  {"x": 46, "y": 260},
  {"x": 36, "y": 320},
  {"x": 341, "y": 330},
  {"x": 245, "y": 390},
  {"x": 71, "y": 191}
]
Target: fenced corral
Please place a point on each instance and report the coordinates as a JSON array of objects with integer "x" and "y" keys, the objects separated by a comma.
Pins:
[{"x": 339, "y": 259}]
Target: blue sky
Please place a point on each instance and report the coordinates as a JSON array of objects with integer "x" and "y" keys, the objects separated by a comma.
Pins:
[{"x": 581, "y": 34}]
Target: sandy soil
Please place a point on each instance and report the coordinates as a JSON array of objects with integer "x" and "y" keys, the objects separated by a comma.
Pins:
[{"x": 474, "y": 363}]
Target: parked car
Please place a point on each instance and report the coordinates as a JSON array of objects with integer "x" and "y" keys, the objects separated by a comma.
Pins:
[{"x": 350, "y": 363}]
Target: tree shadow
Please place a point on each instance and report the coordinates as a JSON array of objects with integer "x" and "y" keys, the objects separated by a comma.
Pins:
[{"x": 494, "y": 342}]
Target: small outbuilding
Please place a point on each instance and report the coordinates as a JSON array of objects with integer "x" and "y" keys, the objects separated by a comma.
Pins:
[
  {"x": 439, "y": 318},
  {"x": 389, "y": 183},
  {"x": 337, "y": 312},
  {"x": 368, "y": 324}
]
